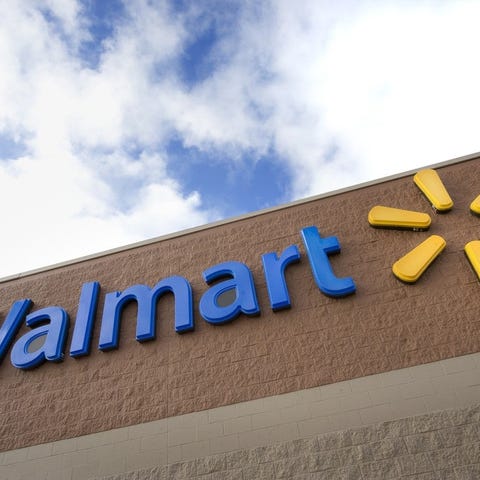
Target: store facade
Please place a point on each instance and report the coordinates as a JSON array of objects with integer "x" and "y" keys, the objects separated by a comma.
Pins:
[{"x": 274, "y": 345}]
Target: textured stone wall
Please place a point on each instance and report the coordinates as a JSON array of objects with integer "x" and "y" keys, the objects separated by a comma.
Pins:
[
  {"x": 442, "y": 445},
  {"x": 384, "y": 326}
]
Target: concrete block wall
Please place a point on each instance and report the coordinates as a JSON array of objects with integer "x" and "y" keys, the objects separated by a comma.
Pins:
[
  {"x": 443, "y": 445},
  {"x": 178, "y": 444}
]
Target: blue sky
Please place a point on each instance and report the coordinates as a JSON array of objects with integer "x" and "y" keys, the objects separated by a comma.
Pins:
[{"x": 122, "y": 121}]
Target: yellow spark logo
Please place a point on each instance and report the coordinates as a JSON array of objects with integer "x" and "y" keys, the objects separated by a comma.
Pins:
[{"x": 411, "y": 266}]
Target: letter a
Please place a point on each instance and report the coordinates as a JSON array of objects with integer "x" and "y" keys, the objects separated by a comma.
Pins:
[
  {"x": 241, "y": 281},
  {"x": 55, "y": 333}
]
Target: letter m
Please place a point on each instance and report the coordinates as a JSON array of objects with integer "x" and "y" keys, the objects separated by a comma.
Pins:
[{"x": 146, "y": 299}]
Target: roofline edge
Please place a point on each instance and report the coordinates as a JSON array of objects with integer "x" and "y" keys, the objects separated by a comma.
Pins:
[{"x": 236, "y": 218}]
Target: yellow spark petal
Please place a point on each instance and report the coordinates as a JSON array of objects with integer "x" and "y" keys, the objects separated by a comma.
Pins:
[
  {"x": 432, "y": 187},
  {"x": 472, "y": 251},
  {"x": 388, "y": 217},
  {"x": 475, "y": 206},
  {"x": 411, "y": 266}
]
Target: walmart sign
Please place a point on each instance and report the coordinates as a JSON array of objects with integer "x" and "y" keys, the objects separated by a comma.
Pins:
[{"x": 46, "y": 340}]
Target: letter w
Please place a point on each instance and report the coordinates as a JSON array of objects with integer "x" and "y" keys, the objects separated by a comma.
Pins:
[{"x": 12, "y": 324}]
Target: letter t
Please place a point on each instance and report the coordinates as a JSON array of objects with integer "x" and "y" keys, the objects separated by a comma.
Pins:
[{"x": 318, "y": 249}]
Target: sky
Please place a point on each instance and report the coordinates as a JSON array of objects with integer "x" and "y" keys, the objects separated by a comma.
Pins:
[{"x": 121, "y": 121}]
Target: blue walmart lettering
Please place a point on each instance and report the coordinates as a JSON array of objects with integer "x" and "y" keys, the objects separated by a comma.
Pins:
[{"x": 49, "y": 326}]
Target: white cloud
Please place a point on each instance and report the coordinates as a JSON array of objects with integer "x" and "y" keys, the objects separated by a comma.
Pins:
[
  {"x": 346, "y": 91},
  {"x": 340, "y": 92},
  {"x": 395, "y": 89},
  {"x": 401, "y": 91},
  {"x": 64, "y": 198}
]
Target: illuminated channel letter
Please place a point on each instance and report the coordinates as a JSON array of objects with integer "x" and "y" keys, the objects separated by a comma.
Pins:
[
  {"x": 87, "y": 308},
  {"x": 432, "y": 187},
  {"x": 274, "y": 269},
  {"x": 239, "y": 279},
  {"x": 12, "y": 324},
  {"x": 388, "y": 217},
  {"x": 318, "y": 249},
  {"x": 412, "y": 265},
  {"x": 55, "y": 333},
  {"x": 472, "y": 251},
  {"x": 146, "y": 299},
  {"x": 475, "y": 206}
]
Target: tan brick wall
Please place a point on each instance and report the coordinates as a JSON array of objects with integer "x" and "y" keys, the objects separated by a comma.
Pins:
[{"x": 386, "y": 325}]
